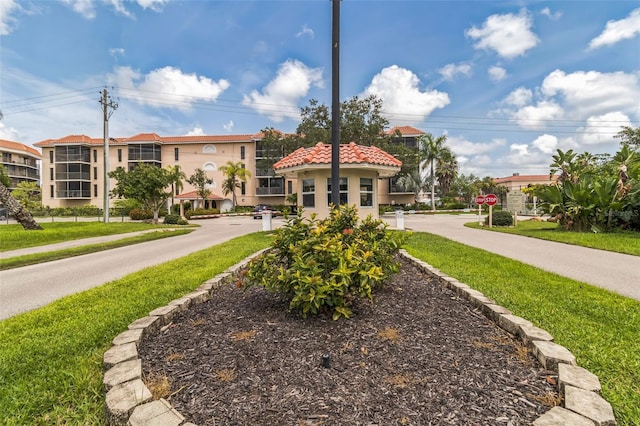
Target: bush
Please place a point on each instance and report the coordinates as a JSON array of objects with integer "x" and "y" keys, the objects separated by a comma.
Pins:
[
  {"x": 140, "y": 214},
  {"x": 200, "y": 212},
  {"x": 182, "y": 221},
  {"x": 500, "y": 218},
  {"x": 171, "y": 219},
  {"x": 321, "y": 266}
]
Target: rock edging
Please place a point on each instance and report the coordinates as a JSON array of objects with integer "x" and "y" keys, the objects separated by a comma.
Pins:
[{"x": 129, "y": 401}]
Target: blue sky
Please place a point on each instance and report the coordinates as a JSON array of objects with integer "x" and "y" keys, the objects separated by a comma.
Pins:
[{"x": 508, "y": 82}]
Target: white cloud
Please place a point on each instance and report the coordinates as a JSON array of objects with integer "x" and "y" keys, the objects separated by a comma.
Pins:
[
  {"x": 155, "y": 5},
  {"x": 497, "y": 73},
  {"x": 520, "y": 157},
  {"x": 279, "y": 98},
  {"x": 449, "y": 71},
  {"x": 400, "y": 92},
  {"x": 116, "y": 51},
  {"x": 599, "y": 130},
  {"x": 305, "y": 31},
  {"x": 546, "y": 143},
  {"x": 228, "y": 126},
  {"x": 463, "y": 147},
  {"x": 616, "y": 31},
  {"x": 538, "y": 116},
  {"x": 167, "y": 87},
  {"x": 553, "y": 16},
  {"x": 85, "y": 8},
  {"x": 594, "y": 93},
  {"x": 519, "y": 97},
  {"x": 8, "y": 22},
  {"x": 197, "y": 131},
  {"x": 118, "y": 5},
  {"x": 508, "y": 35},
  {"x": 9, "y": 133}
]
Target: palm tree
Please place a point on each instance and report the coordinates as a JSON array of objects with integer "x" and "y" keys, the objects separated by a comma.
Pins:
[
  {"x": 430, "y": 151},
  {"x": 177, "y": 176},
  {"x": 446, "y": 170},
  {"x": 235, "y": 173},
  {"x": 415, "y": 182}
]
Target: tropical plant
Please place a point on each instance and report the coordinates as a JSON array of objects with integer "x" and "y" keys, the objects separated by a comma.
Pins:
[
  {"x": 21, "y": 214},
  {"x": 416, "y": 182},
  {"x": 235, "y": 173},
  {"x": 145, "y": 183},
  {"x": 177, "y": 176},
  {"x": 446, "y": 170},
  {"x": 431, "y": 149},
  {"x": 28, "y": 194},
  {"x": 200, "y": 180},
  {"x": 321, "y": 266}
]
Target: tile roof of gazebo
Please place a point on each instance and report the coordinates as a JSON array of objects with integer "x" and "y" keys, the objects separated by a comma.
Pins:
[
  {"x": 193, "y": 195},
  {"x": 320, "y": 154}
]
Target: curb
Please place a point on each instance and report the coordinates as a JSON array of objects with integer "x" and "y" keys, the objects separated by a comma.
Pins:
[{"x": 129, "y": 402}]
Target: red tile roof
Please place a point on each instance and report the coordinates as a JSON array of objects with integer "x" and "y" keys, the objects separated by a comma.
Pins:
[
  {"x": 405, "y": 131},
  {"x": 145, "y": 137},
  {"x": 193, "y": 195},
  {"x": 349, "y": 154},
  {"x": 525, "y": 178},
  {"x": 17, "y": 146}
]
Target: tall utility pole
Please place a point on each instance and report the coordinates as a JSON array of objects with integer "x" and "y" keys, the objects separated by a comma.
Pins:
[
  {"x": 108, "y": 106},
  {"x": 335, "y": 105}
]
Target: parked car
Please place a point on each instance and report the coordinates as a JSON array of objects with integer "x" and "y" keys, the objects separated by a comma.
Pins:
[{"x": 262, "y": 208}]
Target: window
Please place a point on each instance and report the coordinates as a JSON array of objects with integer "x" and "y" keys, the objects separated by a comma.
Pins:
[
  {"x": 344, "y": 191},
  {"x": 51, "y": 174},
  {"x": 51, "y": 190},
  {"x": 119, "y": 155},
  {"x": 95, "y": 173},
  {"x": 95, "y": 155},
  {"x": 242, "y": 153},
  {"x": 243, "y": 188},
  {"x": 95, "y": 190},
  {"x": 51, "y": 156},
  {"x": 308, "y": 193},
  {"x": 289, "y": 187},
  {"x": 366, "y": 192},
  {"x": 176, "y": 153}
]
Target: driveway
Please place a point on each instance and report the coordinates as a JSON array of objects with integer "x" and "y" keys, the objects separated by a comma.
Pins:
[
  {"x": 616, "y": 272},
  {"x": 31, "y": 287}
]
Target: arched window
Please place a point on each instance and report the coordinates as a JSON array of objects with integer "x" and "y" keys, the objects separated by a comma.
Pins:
[
  {"x": 209, "y": 149},
  {"x": 209, "y": 167}
]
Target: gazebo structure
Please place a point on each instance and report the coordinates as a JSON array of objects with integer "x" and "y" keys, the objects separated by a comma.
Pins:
[
  {"x": 212, "y": 201},
  {"x": 360, "y": 168}
]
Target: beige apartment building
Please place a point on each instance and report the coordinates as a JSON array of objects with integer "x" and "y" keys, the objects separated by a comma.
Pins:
[
  {"x": 73, "y": 167},
  {"x": 20, "y": 162}
]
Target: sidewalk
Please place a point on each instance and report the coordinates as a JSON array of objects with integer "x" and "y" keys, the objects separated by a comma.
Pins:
[{"x": 619, "y": 273}]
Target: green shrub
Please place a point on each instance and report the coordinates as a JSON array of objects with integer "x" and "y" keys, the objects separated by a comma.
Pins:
[
  {"x": 321, "y": 266},
  {"x": 182, "y": 221},
  {"x": 171, "y": 219},
  {"x": 140, "y": 214},
  {"x": 500, "y": 218},
  {"x": 200, "y": 212}
]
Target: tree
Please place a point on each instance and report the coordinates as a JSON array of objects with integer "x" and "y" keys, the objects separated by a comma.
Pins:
[
  {"x": 629, "y": 136},
  {"x": 177, "y": 176},
  {"x": 28, "y": 194},
  {"x": 235, "y": 174},
  {"x": 446, "y": 170},
  {"x": 200, "y": 181},
  {"x": 431, "y": 149},
  {"x": 415, "y": 182},
  {"x": 144, "y": 183},
  {"x": 464, "y": 188},
  {"x": 22, "y": 215}
]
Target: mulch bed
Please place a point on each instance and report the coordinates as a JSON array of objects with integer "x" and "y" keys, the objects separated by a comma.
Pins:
[{"x": 417, "y": 355}]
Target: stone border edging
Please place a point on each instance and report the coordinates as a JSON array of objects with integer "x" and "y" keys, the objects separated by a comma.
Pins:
[{"x": 129, "y": 401}]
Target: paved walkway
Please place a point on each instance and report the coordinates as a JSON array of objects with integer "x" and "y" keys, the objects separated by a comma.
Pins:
[{"x": 616, "y": 272}]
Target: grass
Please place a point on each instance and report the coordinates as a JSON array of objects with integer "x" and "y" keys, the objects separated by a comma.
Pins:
[
  {"x": 14, "y": 237},
  {"x": 620, "y": 242},
  {"x": 32, "y": 259},
  {"x": 599, "y": 327},
  {"x": 51, "y": 358}
]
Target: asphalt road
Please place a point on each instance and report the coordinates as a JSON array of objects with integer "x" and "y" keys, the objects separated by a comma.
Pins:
[
  {"x": 31, "y": 287},
  {"x": 616, "y": 272},
  {"x": 27, "y": 288}
]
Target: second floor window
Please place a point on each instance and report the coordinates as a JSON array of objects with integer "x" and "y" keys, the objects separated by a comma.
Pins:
[
  {"x": 308, "y": 193},
  {"x": 176, "y": 153},
  {"x": 242, "y": 152}
]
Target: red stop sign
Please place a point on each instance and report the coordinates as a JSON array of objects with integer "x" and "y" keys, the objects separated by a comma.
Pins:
[
  {"x": 491, "y": 199},
  {"x": 479, "y": 199}
]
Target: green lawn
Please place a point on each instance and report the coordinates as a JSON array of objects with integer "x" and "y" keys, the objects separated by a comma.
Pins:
[
  {"x": 51, "y": 358},
  {"x": 620, "y": 242},
  {"x": 13, "y": 237},
  {"x": 600, "y": 328}
]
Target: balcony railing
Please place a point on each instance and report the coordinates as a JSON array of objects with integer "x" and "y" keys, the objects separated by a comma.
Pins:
[
  {"x": 74, "y": 194},
  {"x": 73, "y": 176},
  {"x": 66, "y": 158},
  {"x": 265, "y": 172},
  {"x": 144, "y": 156},
  {"x": 270, "y": 191},
  {"x": 35, "y": 174}
]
